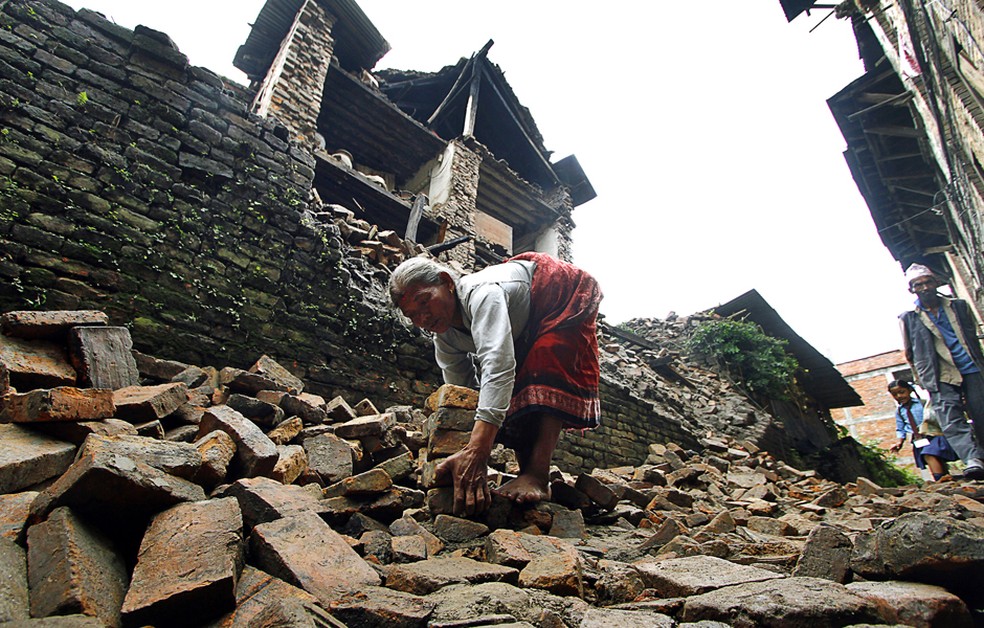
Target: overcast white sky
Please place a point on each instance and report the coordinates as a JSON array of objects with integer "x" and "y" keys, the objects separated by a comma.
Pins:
[{"x": 703, "y": 127}]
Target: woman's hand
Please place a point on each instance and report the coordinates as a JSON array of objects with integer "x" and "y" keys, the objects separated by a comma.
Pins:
[
  {"x": 897, "y": 446},
  {"x": 468, "y": 470}
]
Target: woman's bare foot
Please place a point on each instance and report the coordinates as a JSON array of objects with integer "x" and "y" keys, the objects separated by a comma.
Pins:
[{"x": 525, "y": 489}]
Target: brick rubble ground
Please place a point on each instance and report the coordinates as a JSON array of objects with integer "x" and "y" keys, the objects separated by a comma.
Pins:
[{"x": 137, "y": 491}]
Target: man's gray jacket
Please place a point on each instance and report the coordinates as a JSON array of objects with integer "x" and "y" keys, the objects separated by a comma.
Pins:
[{"x": 925, "y": 350}]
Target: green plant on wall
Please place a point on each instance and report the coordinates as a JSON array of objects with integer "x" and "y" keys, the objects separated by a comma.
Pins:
[{"x": 754, "y": 359}]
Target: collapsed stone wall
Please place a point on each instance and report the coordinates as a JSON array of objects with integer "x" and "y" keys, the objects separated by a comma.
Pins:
[{"x": 135, "y": 184}]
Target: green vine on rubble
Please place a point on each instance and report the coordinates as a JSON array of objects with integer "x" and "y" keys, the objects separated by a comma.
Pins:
[{"x": 757, "y": 361}]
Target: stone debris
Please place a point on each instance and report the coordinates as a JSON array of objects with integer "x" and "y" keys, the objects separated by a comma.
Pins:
[{"x": 232, "y": 497}]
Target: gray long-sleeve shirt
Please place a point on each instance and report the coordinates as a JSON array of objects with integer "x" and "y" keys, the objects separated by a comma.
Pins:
[{"x": 495, "y": 308}]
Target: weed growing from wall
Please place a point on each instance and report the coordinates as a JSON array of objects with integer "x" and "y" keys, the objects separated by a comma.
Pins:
[{"x": 756, "y": 361}]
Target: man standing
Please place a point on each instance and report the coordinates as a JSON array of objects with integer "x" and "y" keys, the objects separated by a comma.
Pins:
[{"x": 942, "y": 348}]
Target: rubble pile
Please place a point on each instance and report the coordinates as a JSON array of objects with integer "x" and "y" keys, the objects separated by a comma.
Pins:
[
  {"x": 660, "y": 370},
  {"x": 137, "y": 491}
]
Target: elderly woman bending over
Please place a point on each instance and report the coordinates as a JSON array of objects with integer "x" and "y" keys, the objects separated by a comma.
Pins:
[{"x": 524, "y": 333}]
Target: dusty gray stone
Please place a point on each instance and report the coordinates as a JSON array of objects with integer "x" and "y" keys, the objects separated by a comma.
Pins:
[
  {"x": 614, "y": 618},
  {"x": 103, "y": 357},
  {"x": 76, "y": 432},
  {"x": 827, "y": 555},
  {"x": 781, "y": 602},
  {"x": 304, "y": 551},
  {"x": 149, "y": 403},
  {"x": 179, "y": 459},
  {"x": 35, "y": 364},
  {"x": 257, "y": 592},
  {"x": 14, "y": 510},
  {"x": 456, "y": 530},
  {"x": 28, "y": 458},
  {"x": 262, "y": 413},
  {"x": 329, "y": 456},
  {"x": 271, "y": 369},
  {"x": 377, "y": 606},
  {"x": 13, "y": 582},
  {"x": 262, "y": 500},
  {"x": 461, "y": 602},
  {"x": 112, "y": 485},
  {"x": 925, "y": 548},
  {"x": 915, "y": 604},
  {"x": 72, "y": 568},
  {"x": 255, "y": 453},
  {"x": 189, "y": 561},
  {"x": 217, "y": 450},
  {"x": 692, "y": 575},
  {"x": 432, "y": 574}
]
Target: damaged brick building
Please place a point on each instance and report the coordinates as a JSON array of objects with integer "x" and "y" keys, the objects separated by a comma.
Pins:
[{"x": 221, "y": 222}]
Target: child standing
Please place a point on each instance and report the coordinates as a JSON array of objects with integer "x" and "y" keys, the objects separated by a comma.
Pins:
[{"x": 929, "y": 447}]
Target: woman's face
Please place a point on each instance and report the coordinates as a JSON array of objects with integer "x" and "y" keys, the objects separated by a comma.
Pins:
[
  {"x": 900, "y": 394},
  {"x": 431, "y": 308}
]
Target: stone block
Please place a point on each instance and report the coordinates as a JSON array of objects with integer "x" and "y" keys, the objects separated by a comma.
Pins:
[
  {"x": 915, "y": 604},
  {"x": 517, "y": 549},
  {"x": 440, "y": 501},
  {"x": 259, "y": 412},
  {"x": 456, "y": 530},
  {"x": 240, "y": 381},
  {"x": 596, "y": 491},
  {"x": 149, "y": 403},
  {"x": 189, "y": 562},
  {"x": 112, "y": 485},
  {"x": 408, "y": 526},
  {"x": 76, "y": 432},
  {"x": 72, "y": 568},
  {"x": 399, "y": 467},
  {"x": 50, "y": 324},
  {"x": 258, "y": 594},
  {"x": 179, "y": 459},
  {"x": 156, "y": 368},
  {"x": 568, "y": 524},
  {"x": 371, "y": 482},
  {"x": 35, "y": 364},
  {"x": 14, "y": 510},
  {"x": 366, "y": 426},
  {"x": 408, "y": 549},
  {"x": 693, "y": 575},
  {"x": 303, "y": 550},
  {"x": 272, "y": 370},
  {"x": 64, "y": 403},
  {"x": 286, "y": 431},
  {"x": 457, "y": 419},
  {"x": 262, "y": 500},
  {"x": 339, "y": 410},
  {"x": 329, "y": 456},
  {"x": 365, "y": 408},
  {"x": 560, "y": 573},
  {"x": 936, "y": 549},
  {"x": 310, "y": 408},
  {"x": 255, "y": 453},
  {"x": 391, "y": 504},
  {"x": 377, "y": 547},
  {"x": 378, "y": 606},
  {"x": 14, "y": 602},
  {"x": 27, "y": 458},
  {"x": 781, "y": 602},
  {"x": 429, "y": 575},
  {"x": 290, "y": 465},
  {"x": 217, "y": 450},
  {"x": 103, "y": 357},
  {"x": 451, "y": 396},
  {"x": 446, "y": 442},
  {"x": 568, "y": 496}
]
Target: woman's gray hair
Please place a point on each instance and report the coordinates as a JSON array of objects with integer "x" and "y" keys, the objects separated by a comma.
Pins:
[{"x": 416, "y": 271}]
